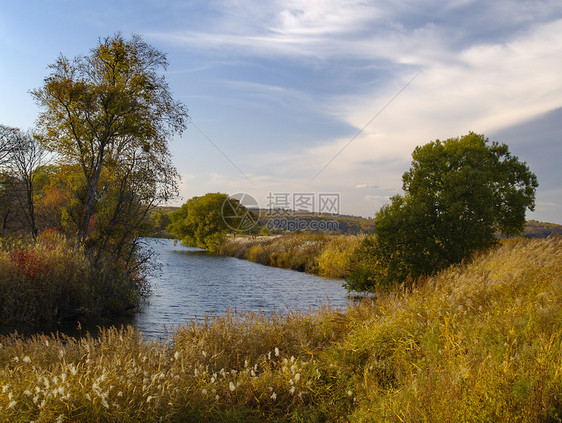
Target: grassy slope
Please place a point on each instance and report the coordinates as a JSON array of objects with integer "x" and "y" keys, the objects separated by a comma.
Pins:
[
  {"x": 324, "y": 255},
  {"x": 479, "y": 342}
]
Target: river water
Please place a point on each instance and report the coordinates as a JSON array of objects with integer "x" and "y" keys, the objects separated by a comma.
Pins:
[{"x": 191, "y": 283}]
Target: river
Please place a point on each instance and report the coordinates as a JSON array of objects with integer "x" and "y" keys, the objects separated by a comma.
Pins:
[{"x": 190, "y": 283}]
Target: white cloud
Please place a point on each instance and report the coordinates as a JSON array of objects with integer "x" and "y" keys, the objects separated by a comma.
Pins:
[
  {"x": 323, "y": 17},
  {"x": 407, "y": 32},
  {"x": 486, "y": 87},
  {"x": 475, "y": 76},
  {"x": 315, "y": 28}
]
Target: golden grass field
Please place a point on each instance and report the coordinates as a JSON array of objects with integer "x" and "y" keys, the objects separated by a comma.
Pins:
[
  {"x": 324, "y": 255},
  {"x": 481, "y": 341}
]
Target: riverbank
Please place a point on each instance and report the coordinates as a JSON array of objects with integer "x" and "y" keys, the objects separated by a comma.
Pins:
[
  {"x": 50, "y": 282},
  {"x": 479, "y": 341},
  {"x": 334, "y": 256},
  {"x": 323, "y": 255}
]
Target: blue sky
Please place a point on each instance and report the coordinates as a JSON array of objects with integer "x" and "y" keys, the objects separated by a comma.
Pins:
[{"x": 282, "y": 87}]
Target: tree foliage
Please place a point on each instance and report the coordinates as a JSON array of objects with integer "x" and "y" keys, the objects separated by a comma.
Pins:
[
  {"x": 202, "y": 221},
  {"x": 459, "y": 194},
  {"x": 160, "y": 220},
  {"x": 111, "y": 114}
]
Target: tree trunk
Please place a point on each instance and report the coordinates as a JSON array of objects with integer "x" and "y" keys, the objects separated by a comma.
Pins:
[{"x": 92, "y": 193}]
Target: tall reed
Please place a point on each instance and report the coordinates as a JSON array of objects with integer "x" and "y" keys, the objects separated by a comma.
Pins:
[
  {"x": 481, "y": 341},
  {"x": 324, "y": 255}
]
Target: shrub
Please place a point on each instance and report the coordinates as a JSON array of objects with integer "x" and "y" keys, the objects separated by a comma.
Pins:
[
  {"x": 336, "y": 258},
  {"x": 52, "y": 279}
]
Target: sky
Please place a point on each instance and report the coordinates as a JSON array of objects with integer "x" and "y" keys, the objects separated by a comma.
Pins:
[{"x": 320, "y": 97}]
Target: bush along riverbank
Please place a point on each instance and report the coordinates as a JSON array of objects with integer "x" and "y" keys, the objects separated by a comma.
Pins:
[
  {"x": 319, "y": 254},
  {"x": 481, "y": 341},
  {"x": 52, "y": 279}
]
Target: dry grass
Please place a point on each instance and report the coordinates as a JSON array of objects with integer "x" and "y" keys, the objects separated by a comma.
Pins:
[
  {"x": 324, "y": 255},
  {"x": 478, "y": 342}
]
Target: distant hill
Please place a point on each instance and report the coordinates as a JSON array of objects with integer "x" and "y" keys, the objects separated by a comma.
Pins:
[
  {"x": 352, "y": 225},
  {"x": 535, "y": 229}
]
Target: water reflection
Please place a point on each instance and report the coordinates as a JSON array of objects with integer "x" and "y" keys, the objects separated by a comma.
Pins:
[{"x": 192, "y": 283}]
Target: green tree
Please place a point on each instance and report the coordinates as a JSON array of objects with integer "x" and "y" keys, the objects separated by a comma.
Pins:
[
  {"x": 160, "y": 220},
  {"x": 55, "y": 194},
  {"x": 112, "y": 110},
  {"x": 459, "y": 194},
  {"x": 204, "y": 221}
]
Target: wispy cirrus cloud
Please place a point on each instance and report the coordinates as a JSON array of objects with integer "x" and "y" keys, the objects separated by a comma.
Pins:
[
  {"x": 316, "y": 28},
  {"x": 328, "y": 28},
  {"x": 484, "y": 66}
]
